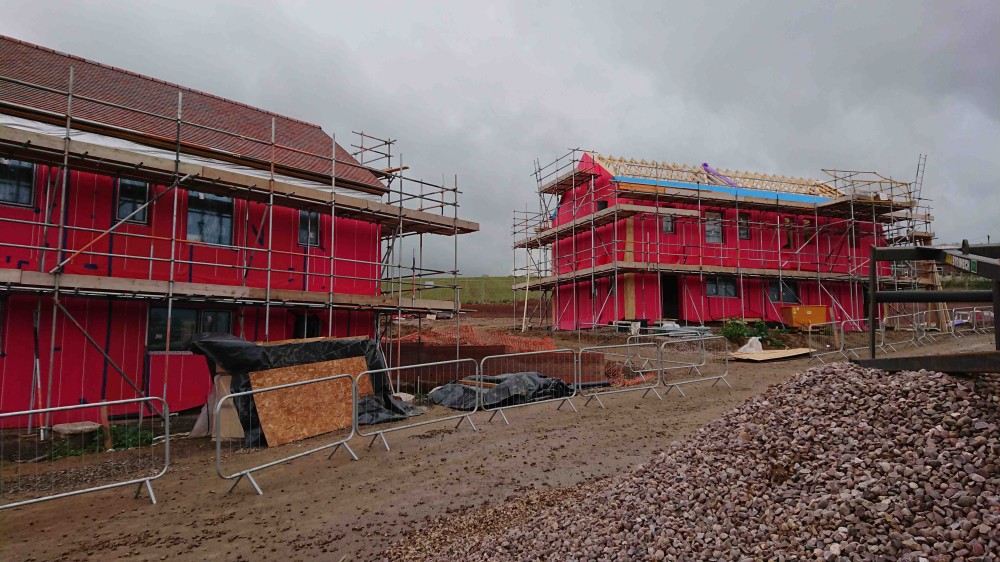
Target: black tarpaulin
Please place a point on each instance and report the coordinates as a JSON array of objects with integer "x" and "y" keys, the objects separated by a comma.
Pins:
[
  {"x": 510, "y": 389},
  {"x": 239, "y": 358}
]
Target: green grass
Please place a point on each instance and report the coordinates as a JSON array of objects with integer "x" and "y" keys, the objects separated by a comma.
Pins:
[
  {"x": 122, "y": 437},
  {"x": 967, "y": 282},
  {"x": 474, "y": 290}
]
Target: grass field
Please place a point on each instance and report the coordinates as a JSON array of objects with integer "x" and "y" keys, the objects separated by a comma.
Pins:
[{"x": 475, "y": 290}]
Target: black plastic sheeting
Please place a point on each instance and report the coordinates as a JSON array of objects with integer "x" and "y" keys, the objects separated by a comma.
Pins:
[
  {"x": 510, "y": 389},
  {"x": 239, "y": 358}
]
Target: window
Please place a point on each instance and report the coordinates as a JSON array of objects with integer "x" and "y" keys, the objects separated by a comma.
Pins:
[
  {"x": 308, "y": 228},
  {"x": 17, "y": 180},
  {"x": 132, "y": 194},
  {"x": 218, "y": 321},
  {"x": 185, "y": 324},
  {"x": 667, "y": 224},
  {"x": 789, "y": 234},
  {"x": 306, "y": 326},
  {"x": 210, "y": 219},
  {"x": 784, "y": 291},
  {"x": 721, "y": 287},
  {"x": 713, "y": 228},
  {"x": 743, "y": 226}
]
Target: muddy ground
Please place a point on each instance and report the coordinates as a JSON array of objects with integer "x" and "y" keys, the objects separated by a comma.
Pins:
[{"x": 321, "y": 509}]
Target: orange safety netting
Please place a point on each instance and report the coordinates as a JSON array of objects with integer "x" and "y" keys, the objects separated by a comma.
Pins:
[{"x": 615, "y": 373}]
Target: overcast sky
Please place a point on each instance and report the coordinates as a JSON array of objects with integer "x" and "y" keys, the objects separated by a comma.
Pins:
[{"x": 482, "y": 89}]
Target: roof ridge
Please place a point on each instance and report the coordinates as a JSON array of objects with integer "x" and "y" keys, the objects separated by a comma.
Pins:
[
  {"x": 158, "y": 80},
  {"x": 769, "y": 182}
]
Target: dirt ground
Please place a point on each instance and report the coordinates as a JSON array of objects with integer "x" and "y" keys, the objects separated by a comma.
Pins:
[{"x": 314, "y": 508}]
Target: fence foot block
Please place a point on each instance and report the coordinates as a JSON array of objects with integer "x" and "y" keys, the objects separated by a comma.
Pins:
[
  {"x": 653, "y": 390},
  {"x": 377, "y": 436},
  {"x": 723, "y": 379},
  {"x": 466, "y": 418},
  {"x": 345, "y": 446},
  {"x": 250, "y": 479},
  {"x": 502, "y": 416},
  {"x": 149, "y": 488}
]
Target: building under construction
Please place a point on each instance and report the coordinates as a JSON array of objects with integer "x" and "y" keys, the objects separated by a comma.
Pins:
[
  {"x": 618, "y": 239},
  {"x": 135, "y": 214}
]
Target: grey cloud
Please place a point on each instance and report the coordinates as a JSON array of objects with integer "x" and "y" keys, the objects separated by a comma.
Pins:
[{"x": 482, "y": 89}]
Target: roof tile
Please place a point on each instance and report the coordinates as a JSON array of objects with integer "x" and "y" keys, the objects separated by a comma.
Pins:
[{"x": 210, "y": 122}]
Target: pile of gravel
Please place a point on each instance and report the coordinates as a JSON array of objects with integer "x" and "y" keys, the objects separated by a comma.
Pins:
[{"x": 840, "y": 463}]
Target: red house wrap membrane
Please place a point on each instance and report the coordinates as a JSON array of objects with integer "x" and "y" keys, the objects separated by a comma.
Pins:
[
  {"x": 701, "y": 248},
  {"x": 213, "y": 236}
]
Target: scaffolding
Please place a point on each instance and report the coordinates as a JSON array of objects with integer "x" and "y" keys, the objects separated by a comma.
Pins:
[
  {"x": 412, "y": 208},
  {"x": 814, "y": 234}
]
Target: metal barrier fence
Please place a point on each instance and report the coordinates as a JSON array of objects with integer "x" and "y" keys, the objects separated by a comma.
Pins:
[
  {"x": 926, "y": 330},
  {"x": 324, "y": 408},
  {"x": 986, "y": 319},
  {"x": 899, "y": 332},
  {"x": 82, "y": 455},
  {"x": 560, "y": 364},
  {"x": 421, "y": 381},
  {"x": 963, "y": 321},
  {"x": 707, "y": 358},
  {"x": 824, "y": 339},
  {"x": 612, "y": 369},
  {"x": 854, "y": 337}
]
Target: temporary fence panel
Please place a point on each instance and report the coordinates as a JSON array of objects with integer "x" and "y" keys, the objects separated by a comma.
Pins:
[
  {"x": 854, "y": 337},
  {"x": 898, "y": 332},
  {"x": 985, "y": 319},
  {"x": 612, "y": 369},
  {"x": 825, "y": 341},
  {"x": 430, "y": 384},
  {"x": 522, "y": 379},
  {"x": 963, "y": 321},
  {"x": 694, "y": 360},
  {"x": 926, "y": 331},
  {"x": 314, "y": 415},
  {"x": 81, "y": 455}
]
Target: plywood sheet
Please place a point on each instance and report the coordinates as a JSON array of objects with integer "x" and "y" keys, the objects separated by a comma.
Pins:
[
  {"x": 292, "y": 414},
  {"x": 771, "y": 354}
]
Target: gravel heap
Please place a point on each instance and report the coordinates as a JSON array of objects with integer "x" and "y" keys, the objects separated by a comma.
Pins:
[{"x": 840, "y": 463}]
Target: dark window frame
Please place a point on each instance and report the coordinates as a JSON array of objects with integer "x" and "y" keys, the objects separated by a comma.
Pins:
[
  {"x": 211, "y": 205},
  {"x": 31, "y": 184},
  {"x": 792, "y": 290},
  {"x": 714, "y": 287},
  {"x": 305, "y": 218},
  {"x": 712, "y": 220},
  {"x": 307, "y": 326},
  {"x": 143, "y": 216},
  {"x": 667, "y": 224},
  {"x": 184, "y": 342},
  {"x": 743, "y": 226}
]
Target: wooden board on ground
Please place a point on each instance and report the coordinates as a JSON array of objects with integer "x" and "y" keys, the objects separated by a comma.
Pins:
[
  {"x": 464, "y": 382},
  {"x": 301, "y": 340},
  {"x": 771, "y": 354},
  {"x": 300, "y": 412}
]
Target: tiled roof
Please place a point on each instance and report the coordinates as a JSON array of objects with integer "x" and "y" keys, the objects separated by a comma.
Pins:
[
  {"x": 241, "y": 125},
  {"x": 627, "y": 167}
]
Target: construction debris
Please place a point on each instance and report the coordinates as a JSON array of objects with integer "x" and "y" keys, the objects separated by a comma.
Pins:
[{"x": 771, "y": 354}]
